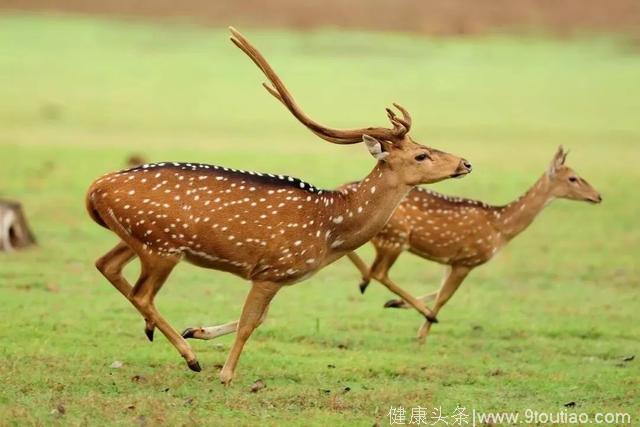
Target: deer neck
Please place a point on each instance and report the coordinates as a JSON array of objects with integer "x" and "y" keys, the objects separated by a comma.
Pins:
[
  {"x": 519, "y": 214},
  {"x": 361, "y": 210}
]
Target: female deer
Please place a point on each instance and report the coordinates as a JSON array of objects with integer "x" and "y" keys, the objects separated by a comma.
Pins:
[
  {"x": 463, "y": 233},
  {"x": 271, "y": 230}
]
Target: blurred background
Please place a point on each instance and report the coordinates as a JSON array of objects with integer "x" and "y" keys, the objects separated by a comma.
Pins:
[
  {"x": 88, "y": 87},
  {"x": 434, "y": 17}
]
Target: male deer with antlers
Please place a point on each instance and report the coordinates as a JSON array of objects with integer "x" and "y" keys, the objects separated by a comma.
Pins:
[
  {"x": 273, "y": 230},
  {"x": 463, "y": 233}
]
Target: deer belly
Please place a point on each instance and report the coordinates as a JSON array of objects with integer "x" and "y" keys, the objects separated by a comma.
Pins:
[
  {"x": 443, "y": 251},
  {"x": 442, "y": 258},
  {"x": 287, "y": 270},
  {"x": 206, "y": 260}
]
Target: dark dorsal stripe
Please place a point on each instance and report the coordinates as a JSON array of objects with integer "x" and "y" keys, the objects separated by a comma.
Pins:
[{"x": 249, "y": 176}]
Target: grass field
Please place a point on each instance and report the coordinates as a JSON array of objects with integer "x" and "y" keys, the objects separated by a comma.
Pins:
[{"x": 548, "y": 322}]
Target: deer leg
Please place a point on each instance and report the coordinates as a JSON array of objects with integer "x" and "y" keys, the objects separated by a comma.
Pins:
[
  {"x": 399, "y": 303},
  {"x": 155, "y": 272},
  {"x": 380, "y": 272},
  {"x": 364, "y": 270},
  {"x": 254, "y": 309},
  {"x": 411, "y": 300},
  {"x": 211, "y": 332},
  {"x": 454, "y": 279},
  {"x": 111, "y": 265},
  {"x": 428, "y": 297},
  {"x": 152, "y": 277}
]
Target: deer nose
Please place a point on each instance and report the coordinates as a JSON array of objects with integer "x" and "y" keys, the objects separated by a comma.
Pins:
[{"x": 466, "y": 164}]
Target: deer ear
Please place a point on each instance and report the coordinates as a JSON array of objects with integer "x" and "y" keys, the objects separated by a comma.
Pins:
[
  {"x": 558, "y": 160},
  {"x": 375, "y": 147}
]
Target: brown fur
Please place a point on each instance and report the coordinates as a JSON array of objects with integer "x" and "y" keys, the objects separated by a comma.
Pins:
[
  {"x": 464, "y": 233},
  {"x": 272, "y": 230}
]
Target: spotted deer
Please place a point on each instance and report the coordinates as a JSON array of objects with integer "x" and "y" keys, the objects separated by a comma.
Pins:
[
  {"x": 272, "y": 230},
  {"x": 462, "y": 233}
]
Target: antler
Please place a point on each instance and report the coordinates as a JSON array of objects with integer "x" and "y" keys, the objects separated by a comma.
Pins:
[{"x": 337, "y": 136}]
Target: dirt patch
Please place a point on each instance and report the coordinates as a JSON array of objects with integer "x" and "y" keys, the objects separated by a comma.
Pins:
[{"x": 439, "y": 17}]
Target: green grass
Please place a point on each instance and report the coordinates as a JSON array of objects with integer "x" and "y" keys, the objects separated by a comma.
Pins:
[{"x": 547, "y": 322}]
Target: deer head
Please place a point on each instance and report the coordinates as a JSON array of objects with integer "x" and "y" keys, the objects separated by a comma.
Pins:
[
  {"x": 413, "y": 163},
  {"x": 567, "y": 184}
]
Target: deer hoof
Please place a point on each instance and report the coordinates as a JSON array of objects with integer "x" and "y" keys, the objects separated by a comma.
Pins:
[
  {"x": 226, "y": 377},
  {"x": 363, "y": 286},
  {"x": 194, "y": 365},
  {"x": 188, "y": 333},
  {"x": 149, "y": 333},
  {"x": 394, "y": 303}
]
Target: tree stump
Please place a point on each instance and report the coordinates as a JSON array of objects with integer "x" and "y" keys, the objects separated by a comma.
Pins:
[{"x": 14, "y": 230}]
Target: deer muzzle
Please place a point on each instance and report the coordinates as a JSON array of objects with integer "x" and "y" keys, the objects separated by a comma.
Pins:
[{"x": 464, "y": 168}]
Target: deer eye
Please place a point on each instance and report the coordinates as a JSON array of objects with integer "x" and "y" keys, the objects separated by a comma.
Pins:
[
  {"x": 573, "y": 179},
  {"x": 421, "y": 157}
]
